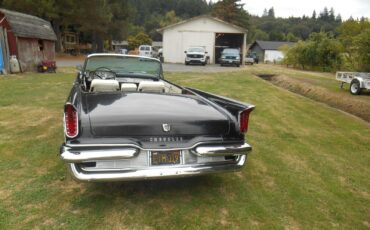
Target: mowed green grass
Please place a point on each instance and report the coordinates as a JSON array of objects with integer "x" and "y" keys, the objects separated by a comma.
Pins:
[{"x": 309, "y": 168}]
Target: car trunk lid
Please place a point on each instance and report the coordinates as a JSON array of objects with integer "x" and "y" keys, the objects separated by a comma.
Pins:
[{"x": 146, "y": 114}]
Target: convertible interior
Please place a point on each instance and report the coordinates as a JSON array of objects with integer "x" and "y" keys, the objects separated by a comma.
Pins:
[{"x": 130, "y": 84}]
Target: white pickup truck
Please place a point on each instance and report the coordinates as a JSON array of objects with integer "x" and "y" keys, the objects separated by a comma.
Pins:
[{"x": 357, "y": 80}]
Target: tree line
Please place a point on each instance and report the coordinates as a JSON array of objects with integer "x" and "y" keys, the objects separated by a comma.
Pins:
[
  {"x": 348, "y": 50},
  {"x": 100, "y": 21}
]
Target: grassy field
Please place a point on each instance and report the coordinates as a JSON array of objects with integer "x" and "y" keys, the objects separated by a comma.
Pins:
[
  {"x": 309, "y": 168},
  {"x": 318, "y": 86}
]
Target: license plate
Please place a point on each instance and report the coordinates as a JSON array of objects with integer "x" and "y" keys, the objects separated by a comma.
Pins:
[
  {"x": 166, "y": 158},
  {"x": 230, "y": 61}
]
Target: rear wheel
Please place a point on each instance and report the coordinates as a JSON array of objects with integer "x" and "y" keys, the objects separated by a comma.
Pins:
[
  {"x": 355, "y": 88},
  {"x": 186, "y": 63}
]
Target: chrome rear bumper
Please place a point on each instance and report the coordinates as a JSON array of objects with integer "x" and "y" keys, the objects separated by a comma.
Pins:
[
  {"x": 75, "y": 155},
  {"x": 155, "y": 172}
]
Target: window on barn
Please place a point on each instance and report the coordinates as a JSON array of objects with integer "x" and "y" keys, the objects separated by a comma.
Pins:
[
  {"x": 70, "y": 39},
  {"x": 41, "y": 45}
]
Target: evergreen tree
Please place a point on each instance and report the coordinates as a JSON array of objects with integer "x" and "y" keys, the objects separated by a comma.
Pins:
[
  {"x": 265, "y": 13},
  {"x": 314, "y": 15},
  {"x": 271, "y": 12},
  {"x": 231, "y": 11}
]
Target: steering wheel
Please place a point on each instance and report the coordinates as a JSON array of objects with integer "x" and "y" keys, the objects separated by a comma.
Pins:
[{"x": 103, "y": 73}]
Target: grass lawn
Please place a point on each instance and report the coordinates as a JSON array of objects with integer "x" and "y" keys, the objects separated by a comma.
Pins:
[
  {"x": 309, "y": 168},
  {"x": 322, "y": 87}
]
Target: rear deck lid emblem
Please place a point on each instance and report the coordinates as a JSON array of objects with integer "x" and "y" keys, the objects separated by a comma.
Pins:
[{"x": 166, "y": 127}]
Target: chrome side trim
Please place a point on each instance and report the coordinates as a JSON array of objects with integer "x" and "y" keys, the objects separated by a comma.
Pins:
[
  {"x": 227, "y": 150},
  {"x": 155, "y": 172},
  {"x": 92, "y": 155}
]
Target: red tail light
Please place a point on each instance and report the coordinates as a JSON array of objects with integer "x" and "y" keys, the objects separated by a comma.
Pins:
[
  {"x": 70, "y": 121},
  {"x": 244, "y": 120}
]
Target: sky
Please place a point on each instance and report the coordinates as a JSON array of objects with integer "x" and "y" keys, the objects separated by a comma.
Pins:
[{"x": 287, "y": 8}]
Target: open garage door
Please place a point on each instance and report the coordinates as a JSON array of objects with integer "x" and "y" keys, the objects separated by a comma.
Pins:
[{"x": 227, "y": 40}]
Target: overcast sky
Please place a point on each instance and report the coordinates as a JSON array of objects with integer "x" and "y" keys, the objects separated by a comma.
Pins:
[{"x": 286, "y": 8}]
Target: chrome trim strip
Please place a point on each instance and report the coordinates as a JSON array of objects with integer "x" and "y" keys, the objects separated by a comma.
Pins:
[
  {"x": 93, "y": 155},
  {"x": 155, "y": 172},
  {"x": 222, "y": 150},
  {"x": 129, "y": 145},
  {"x": 141, "y": 148},
  {"x": 129, "y": 151}
]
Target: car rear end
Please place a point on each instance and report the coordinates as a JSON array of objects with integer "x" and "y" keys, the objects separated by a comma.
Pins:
[{"x": 200, "y": 138}]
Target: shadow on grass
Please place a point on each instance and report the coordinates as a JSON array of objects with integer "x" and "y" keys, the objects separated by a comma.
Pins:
[
  {"x": 156, "y": 187},
  {"x": 148, "y": 198}
]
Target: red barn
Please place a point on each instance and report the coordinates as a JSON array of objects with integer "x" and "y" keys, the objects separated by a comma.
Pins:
[{"x": 30, "y": 38}]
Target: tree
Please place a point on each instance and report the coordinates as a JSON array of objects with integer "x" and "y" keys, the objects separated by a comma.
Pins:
[
  {"x": 362, "y": 50},
  {"x": 314, "y": 15},
  {"x": 231, "y": 11},
  {"x": 291, "y": 38},
  {"x": 354, "y": 36},
  {"x": 169, "y": 18},
  {"x": 324, "y": 15},
  {"x": 138, "y": 40},
  {"x": 277, "y": 36},
  {"x": 260, "y": 35},
  {"x": 271, "y": 12},
  {"x": 321, "y": 50},
  {"x": 265, "y": 13},
  {"x": 331, "y": 15}
]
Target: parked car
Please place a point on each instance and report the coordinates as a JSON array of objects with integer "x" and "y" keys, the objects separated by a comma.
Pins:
[
  {"x": 148, "y": 51},
  {"x": 124, "y": 121},
  {"x": 122, "y": 51},
  {"x": 160, "y": 55},
  {"x": 196, "y": 55},
  {"x": 255, "y": 57},
  {"x": 249, "y": 60},
  {"x": 230, "y": 57}
]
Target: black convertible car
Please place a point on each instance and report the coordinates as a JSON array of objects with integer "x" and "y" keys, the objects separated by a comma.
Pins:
[{"x": 124, "y": 121}]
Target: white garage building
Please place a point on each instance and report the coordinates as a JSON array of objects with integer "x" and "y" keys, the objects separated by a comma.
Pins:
[{"x": 209, "y": 32}]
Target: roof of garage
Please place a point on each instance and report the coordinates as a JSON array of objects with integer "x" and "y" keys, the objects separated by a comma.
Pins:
[
  {"x": 28, "y": 26},
  {"x": 270, "y": 45},
  {"x": 241, "y": 29}
]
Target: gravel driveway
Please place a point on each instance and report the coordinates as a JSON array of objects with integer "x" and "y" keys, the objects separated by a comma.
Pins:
[
  {"x": 168, "y": 67},
  {"x": 199, "y": 68}
]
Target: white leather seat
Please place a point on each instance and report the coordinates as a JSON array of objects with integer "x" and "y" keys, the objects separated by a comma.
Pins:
[
  {"x": 128, "y": 87},
  {"x": 100, "y": 85},
  {"x": 151, "y": 86}
]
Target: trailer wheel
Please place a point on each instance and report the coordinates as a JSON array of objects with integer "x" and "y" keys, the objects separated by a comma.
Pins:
[{"x": 355, "y": 88}]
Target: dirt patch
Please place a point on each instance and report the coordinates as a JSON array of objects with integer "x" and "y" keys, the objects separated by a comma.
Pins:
[
  {"x": 267, "y": 77},
  {"x": 345, "y": 102}
]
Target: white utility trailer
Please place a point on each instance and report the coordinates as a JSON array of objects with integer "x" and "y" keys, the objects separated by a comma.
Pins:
[{"x": 358, "y": 81}]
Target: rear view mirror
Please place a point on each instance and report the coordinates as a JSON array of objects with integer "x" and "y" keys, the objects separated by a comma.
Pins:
[
  {"x": 206, "y": 52},
  {"x": 185, "y": 51}
]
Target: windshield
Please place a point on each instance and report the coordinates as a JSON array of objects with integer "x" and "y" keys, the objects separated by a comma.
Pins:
[
  {"x": 196, "y": 49},
  {"x": 230, "y": 52},
  {"x": 125, "y": 65}
]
